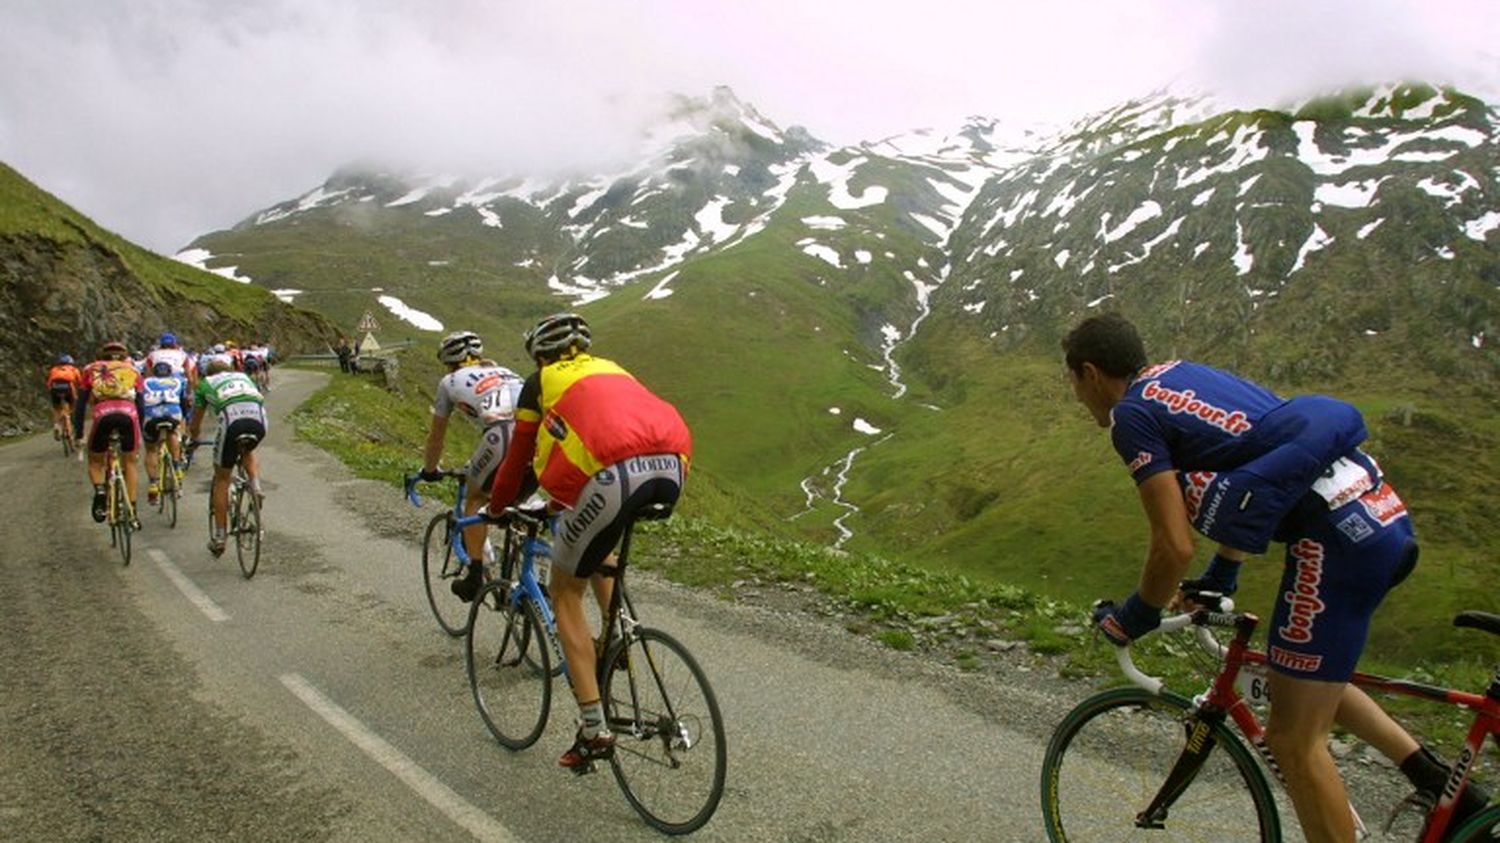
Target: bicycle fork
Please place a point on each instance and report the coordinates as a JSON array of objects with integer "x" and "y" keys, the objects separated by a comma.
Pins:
[{"x": 1199, "y": 732}]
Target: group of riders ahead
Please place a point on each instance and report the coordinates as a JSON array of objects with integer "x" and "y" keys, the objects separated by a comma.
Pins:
[
  {"x": 146, "y": 399},
  {"x": 1209, "y": 452}
]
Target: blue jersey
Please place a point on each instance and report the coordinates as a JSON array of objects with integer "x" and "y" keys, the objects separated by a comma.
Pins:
[
  {"x": 163, "y": 398},
  {"x": 1245, "y": 457}
]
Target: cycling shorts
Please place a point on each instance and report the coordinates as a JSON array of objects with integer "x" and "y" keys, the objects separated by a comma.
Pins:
[
  {"x": 253, "y": 364},
  {"x": 153, "y": 430},
  {"x": 61, "y": 393},
  {"x": 488, "y": 455},
  {"x": 584, "y": 535},
  {"x": 125, "y": 423},
  {"x": 1339, "y": 567},
  {"x": 246, "y": 418}
]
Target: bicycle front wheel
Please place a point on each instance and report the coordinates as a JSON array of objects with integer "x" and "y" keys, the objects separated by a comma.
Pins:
[
  {"x": 510, "y": 666},
  {"x": 122, "y": 517},
  {"x": 1111, "y": 755},
  {"x": 670, "y": 753},
  {"x": 439, "y": 570},
  {"x": 247, "y": 530}
]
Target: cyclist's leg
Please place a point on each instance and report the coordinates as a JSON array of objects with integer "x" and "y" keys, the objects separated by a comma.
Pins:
[
  {"x": 483, "y": 464},
  {"x": 130, "y": 442},
  {"x": 1297, "y": 732},
  {"x": 152, "y": 436},
  {"x": 219, "y": 498}
]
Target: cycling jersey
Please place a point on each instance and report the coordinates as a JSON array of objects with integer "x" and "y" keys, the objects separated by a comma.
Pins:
[
  {"x": 224, "y": 391},
  {"x": 62, "y": 383},
  {"x": 1246, "y": 458},
  {"x": 485, "y": 393},
  {"x": 581, "y": 415},
  {"x": 174, "y": 357},
  {"x": 111, "y": 389},
  {"x": 163, "y": 398}
]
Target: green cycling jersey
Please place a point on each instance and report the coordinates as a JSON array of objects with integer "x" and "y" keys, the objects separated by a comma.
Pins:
[{"x": 225, "y": 388}]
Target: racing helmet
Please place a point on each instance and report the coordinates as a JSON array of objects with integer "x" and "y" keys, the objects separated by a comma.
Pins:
[
  {"x": 556, "y": 334},
  {"x": 460, "y": 346},
  {"x": 217, "y": 349},
  {"x": 64, "y": 359},
  {"x": 113, "y": 348},
  {"x": 167, "y": 340},
  {"x": 216, "y": 365},
  {"x": 161, "y": 369},
  {"x": 231, "y": 344}
]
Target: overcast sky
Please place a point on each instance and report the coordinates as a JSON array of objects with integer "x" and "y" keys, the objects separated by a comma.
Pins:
[{"x": 165, "y": 119}]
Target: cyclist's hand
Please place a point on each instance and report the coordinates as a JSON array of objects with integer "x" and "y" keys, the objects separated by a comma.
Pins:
[
  {"x": 1124, "y": 622},
  {"x": 430, "y": 475},
  {"x": 1222, "y": 576}
]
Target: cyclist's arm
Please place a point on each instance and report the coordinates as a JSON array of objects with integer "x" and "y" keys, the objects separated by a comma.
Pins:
[
  {"x": 433, "y": 453},
  {"x": 1171, "y": 538},
  {"x": 512, "y": 469}
]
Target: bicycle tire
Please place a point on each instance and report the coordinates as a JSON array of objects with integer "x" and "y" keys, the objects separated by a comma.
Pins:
[
  {"x": 662, "y": 714},
  {"x": 509, "y": 658},
  {"x": 1483, "y": 827},
  {"x": 1087, "y": 797},
  {"x": 247, "y": 530},
  {"x": 122, "y": 516},
  {"x": 451, "y": 612}
]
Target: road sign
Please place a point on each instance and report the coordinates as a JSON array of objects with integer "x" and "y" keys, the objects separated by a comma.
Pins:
[{"x": 367, "y": 322}]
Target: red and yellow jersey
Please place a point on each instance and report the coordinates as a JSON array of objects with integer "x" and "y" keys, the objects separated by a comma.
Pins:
[
  {"x": 589, "y": 413},
  {"x": 110, "y": 380},
  {"x": 65, "y": 374}
]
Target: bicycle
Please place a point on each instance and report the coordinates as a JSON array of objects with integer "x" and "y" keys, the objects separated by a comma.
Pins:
[
  {"x": 451, "y": 611},
  {"x": 664, "y": 715},
  {"x": 120, "y": 509},
  {"x": 62, "y": 429},
  {"x": 1182, "y": 788},
  {"x": 168, "y": 490},
  {"x": 246, "y": 527}
]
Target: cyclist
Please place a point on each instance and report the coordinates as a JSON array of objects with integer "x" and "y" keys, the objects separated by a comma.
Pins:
[
  {"x": 236, "y": 356},
  {"x": 164, "y": 401},
  {"x": 258, "y": 364},
  {"x": 109, "y": 385},
  {"x": 216, "y": 352},
  {"x": 602, "y": 446},
  {"x": 1224, "y": 456},
  {"x": 168, "y": 351},
  {"x": 62, "y": 388},
  {"x": 486, "y": 392},
  {"x": 240, "y": 411}
]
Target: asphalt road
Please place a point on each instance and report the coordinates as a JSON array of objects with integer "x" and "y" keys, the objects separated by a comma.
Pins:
[{"x": 174, "y": 700}]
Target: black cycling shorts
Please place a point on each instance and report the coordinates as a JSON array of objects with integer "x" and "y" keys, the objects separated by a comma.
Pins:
[
  {"x": 154, "y": 430},
  {"x": 61, "y": 394},
  {"x": 125, "y": 423}
]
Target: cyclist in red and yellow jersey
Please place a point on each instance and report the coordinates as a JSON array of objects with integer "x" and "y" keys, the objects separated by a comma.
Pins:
[
  {"x": 62, "y": 388},
  {"x": 602, "y": 446},
  {"x": 110, "y": 384}
]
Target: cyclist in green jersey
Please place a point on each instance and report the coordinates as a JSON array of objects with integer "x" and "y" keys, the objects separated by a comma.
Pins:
[{"x": 241, "y": 412}]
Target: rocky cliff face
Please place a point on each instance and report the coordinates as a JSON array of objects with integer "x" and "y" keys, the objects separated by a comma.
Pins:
[{"x": 69, "y": 296}]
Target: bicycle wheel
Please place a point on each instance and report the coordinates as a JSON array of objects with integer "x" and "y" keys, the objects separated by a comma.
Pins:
[
  {"x": 167, "y": 500},
  {"x": 1110, "y": 756},
  {"x": 1483, "y": 827},
  {"x": 509, "y": 664},
  {"x": 123, "y": 516},
  {"x": 247, "y": 530},
  {"x": 439, "y": 569},
  {"x": 670, "y": 753}
]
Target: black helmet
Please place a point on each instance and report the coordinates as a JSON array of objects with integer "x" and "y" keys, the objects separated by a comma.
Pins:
[
  {"x": 556, "y": 334},
  {"x": 460, "y": 346},
  {"x": 161, "y": 368}
]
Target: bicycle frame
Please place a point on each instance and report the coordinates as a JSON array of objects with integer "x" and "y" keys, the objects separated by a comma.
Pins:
[{"x": 1223, "y": 698}]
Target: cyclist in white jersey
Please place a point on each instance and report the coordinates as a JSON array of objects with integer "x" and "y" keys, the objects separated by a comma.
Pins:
[{"x": 486, "y": 392}]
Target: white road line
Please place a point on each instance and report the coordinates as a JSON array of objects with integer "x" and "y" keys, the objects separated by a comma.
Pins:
[
  {"x": 193, "y": 593},
  {"x": 437, "y": 794}
]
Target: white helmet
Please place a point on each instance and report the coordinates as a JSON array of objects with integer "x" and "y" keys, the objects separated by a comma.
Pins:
[{"x": 460, "y": 346}]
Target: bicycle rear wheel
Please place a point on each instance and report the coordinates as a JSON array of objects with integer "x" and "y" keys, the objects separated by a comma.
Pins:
[
  {"x": 247, "y": 531},
  {"x": 510, "y": 666},
  {"x": 439, "y": 570},
  {"x": 166, "y": 501},
  {"x": 1110, "y": 756},
  {"x": 120, "y": 518},
  {"x": 670, "y": 754}
]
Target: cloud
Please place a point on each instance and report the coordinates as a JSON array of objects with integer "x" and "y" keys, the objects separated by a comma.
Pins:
[{"x": 164, "y": 119}]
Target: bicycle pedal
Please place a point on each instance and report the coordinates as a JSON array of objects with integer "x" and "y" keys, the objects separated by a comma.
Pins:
[{"x": 584, "y": 769}]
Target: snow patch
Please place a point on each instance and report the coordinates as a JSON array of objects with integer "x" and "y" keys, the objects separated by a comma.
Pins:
[{"x": 424, "y": 321}]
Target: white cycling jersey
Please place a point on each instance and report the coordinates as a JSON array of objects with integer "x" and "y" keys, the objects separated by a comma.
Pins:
[
  {"x": 486, "y": 393},
  {"x": 174, "y": 357}
]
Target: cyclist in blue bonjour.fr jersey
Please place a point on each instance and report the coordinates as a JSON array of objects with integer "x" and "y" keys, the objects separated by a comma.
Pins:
[{"x": 1228, "y": 458}]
